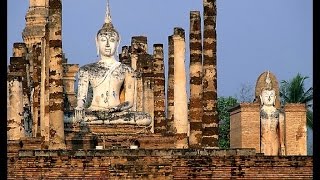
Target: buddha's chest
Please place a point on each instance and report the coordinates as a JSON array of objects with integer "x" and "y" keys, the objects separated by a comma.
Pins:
[
  {"x": 106, "y": 76},
  {"x": 269, "y": 113}
]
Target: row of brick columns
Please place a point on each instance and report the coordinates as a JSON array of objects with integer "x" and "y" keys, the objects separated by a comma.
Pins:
[
  {"x": 203, "y": 115},
  {"x": 46, "y": 74},
  {"x": 200, "y": 124},
  {"x": 197, "y": 127}
]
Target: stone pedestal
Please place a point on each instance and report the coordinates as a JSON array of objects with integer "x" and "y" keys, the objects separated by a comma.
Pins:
[
  {"x": 13, "y": 147},
  {"x": 114, "y": 136},
  {"x": 25, "y": 143},
  {"x": 30, "y": 143},
  {"x": 245, "y": 126},
  {"x": 295, "y": 129}
]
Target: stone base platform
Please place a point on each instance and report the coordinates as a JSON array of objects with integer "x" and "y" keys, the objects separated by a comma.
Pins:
[
  {"x": 156, "y": 164},
  {"x": 26, "y": 143},
  {"x": 107, "y": 129},
  {"x": 114, "y": 136}
]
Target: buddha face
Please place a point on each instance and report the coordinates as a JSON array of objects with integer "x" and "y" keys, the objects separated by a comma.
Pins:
[
  {"x": 107, "y": 43},
  {"x": 268, "y": 97}
]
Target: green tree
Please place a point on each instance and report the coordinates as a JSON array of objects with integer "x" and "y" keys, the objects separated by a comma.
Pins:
[
  {"x": 224, "y": 104},
  {"x": 294, "y": 91}
]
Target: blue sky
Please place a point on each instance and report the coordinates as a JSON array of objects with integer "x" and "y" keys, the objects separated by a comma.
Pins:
[{"x": 253, "y": 36}]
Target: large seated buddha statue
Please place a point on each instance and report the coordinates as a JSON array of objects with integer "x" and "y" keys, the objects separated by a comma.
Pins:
[{"x": 106, "y": 77}]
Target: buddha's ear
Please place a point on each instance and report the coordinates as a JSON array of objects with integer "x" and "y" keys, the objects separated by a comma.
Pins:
[
  {"x": 274, "y": 102},
  {"x": 97, "y": 45},
  {"x": 117, "y": 50},
  {"x": 261, "y": 100}
]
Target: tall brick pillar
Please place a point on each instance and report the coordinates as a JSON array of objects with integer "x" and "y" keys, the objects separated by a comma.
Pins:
[
  {"x": 145, "y": 65},
  {"x": 295, "y": 129},
  {"x": 69, "y": 78},
  {"x": 36, "y": 78},
  {"x": 138, "y": 47},
  {"x": 44, "y": 88},
  {"x": 170, "y": 94},
  {"x": 181, "y": 124},
  {"x": 20, "y": 50},
  {"x": 56, "y": 125},
  {"x": 124, "y": 58},
  {"x": 159, "y": 90},
  {"x": 195, "y": 108},
  {"x": 15, "y": 122},
  {"x": 22, "y": 65},
  {"x": 210, "y": 119},
  {"x": 36, "y": 20}
]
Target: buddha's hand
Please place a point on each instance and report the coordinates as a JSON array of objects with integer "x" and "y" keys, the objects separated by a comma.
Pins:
[
  {"x": 113, "y": 109},
  {"x": 78, "y": 114}
]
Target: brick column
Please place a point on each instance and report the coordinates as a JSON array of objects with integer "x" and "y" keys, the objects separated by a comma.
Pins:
[
  {"x": 69, "y": 78},
  {"x": 146, "y": 69},
  {"x": 159, "y": 90},
  {"x": 125, "y": 55},
  {"x": 36, "y": 56},
  {"x": 124, "y": 58},
  {"x": 20, "y": 64},
  {"x": 170, "y": 94},
  {"x": 36, "y": 20},
  {"x": 15, "y": 122},
  {"x": 44, "y": 89},
  {"x": 210, "y": 119},
  {"x": 20, "y": 50},
  {"x": 138, "y": 46},
  {"x": 56, "y": 125},
  {"x": 195, "y": 108},
  {"x": 181, "y": 124},
  {"x": 295, "y": 129}
]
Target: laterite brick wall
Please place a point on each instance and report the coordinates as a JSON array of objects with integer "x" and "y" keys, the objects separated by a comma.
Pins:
[{"x": 157, "y": 164}]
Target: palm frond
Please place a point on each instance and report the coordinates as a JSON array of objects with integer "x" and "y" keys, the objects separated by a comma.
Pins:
[{"x": 293, "y": 91}]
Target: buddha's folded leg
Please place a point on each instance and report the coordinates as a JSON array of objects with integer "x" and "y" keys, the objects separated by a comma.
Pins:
[
  {"x": 125, "y": 117},
  {"x": 129, "y": 117}
]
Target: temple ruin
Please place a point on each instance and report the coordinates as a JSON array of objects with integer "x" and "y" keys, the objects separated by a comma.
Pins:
[{"x": 44, "y": 140}]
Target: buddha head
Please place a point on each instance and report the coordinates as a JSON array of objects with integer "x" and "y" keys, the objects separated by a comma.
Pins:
[
  {"x": 268, "y": 95},
  {"x": 107, "y": 38}
]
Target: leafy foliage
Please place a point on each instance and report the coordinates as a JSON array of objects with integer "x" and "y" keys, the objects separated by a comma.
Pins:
[
  {"x": 293, "y": 91},
  {"x": 224, "y": 104}
]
